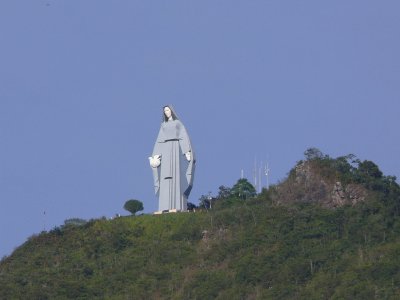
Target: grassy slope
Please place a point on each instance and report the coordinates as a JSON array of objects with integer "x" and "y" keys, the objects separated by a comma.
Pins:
[{"x": 249, "y": 250}]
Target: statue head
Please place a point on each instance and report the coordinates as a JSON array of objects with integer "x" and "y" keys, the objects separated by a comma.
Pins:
[{"x": 169, "y": 112}]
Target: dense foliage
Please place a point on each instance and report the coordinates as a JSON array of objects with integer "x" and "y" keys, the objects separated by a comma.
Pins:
[
  {"x": 241, "y": 249},
  {"x": 133, "y": 206}
]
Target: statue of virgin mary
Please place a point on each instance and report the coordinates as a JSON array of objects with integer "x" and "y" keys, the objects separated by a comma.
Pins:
[{"x": 173, "y": 163}]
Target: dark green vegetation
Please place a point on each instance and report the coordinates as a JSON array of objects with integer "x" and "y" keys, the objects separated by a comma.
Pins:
[
  {"x": 133, "y": 206},
  {"x": 256, "y": 248}
]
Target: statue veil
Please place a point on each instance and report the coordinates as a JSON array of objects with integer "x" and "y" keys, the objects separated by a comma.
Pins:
[{"x": 174, "y": 115}]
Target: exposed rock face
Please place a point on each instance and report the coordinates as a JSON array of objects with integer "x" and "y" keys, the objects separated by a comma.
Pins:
[
  {"x": 306, "y": 183},
  {"x": 338, "y": 194},
  {"x": 356, "y": 193}
]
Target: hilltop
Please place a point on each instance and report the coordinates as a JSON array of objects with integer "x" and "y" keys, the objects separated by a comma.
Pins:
[{"x": 329, "y": 230}]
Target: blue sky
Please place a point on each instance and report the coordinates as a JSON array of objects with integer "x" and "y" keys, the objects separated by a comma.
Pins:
[{"x": 82, "y": 85}]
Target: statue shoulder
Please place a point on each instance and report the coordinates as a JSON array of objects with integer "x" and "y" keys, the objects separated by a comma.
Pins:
[{"x": 179, "y": 123}]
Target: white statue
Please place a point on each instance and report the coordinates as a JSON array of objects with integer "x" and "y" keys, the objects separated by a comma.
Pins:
[{"x": 173, "y": 163}]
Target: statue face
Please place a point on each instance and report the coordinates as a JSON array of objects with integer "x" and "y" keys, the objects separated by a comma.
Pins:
[{"x": 167, "y": 112}]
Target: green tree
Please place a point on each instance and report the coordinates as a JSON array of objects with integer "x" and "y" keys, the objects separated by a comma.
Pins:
[
  {"x": 313, "y": 154},
  {"x": 133, "y": 206},
  {"x": 205, "y": 201},
  {"x": 368, "y": 168},
  {"x": 243, "y": 189},
  {"x": 74, "y": 222},
  {"x": 224, "y": 192}
]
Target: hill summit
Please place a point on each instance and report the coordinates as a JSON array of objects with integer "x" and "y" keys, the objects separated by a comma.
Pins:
[
  {"x": 331, "y": 182},
  {"x": 329, "y": 230}
]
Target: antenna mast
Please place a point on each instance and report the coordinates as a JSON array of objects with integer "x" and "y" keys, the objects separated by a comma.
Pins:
[
  {"x": 266, "y": 172},
  {"x": 259, "y": 178},
  {"x": 44, "y": 220},
  {"x": 255, "y": 172}
]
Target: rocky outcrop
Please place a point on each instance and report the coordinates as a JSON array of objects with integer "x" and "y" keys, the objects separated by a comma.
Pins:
[{"x": 308, "y": 183}]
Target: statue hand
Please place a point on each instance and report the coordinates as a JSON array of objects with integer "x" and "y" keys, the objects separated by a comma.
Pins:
[
  {"x": 155, "y": 161},
  {"x": 188, "y": 156}
]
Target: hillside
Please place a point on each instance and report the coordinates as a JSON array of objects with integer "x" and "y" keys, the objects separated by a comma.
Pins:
[{"x": 280, "y": 244}]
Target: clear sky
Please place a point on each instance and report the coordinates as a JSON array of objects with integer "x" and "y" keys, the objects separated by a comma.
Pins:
[{"x": 83, "y": 82}]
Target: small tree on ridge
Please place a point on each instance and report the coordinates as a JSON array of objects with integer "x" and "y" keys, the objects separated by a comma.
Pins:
[{"x": 133, "y": 206}]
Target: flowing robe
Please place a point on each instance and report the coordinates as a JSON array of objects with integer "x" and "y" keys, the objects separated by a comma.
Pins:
[{"x": 173, "y": 179}]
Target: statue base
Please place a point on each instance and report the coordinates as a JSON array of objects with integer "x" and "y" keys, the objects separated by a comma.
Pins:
[{"x": 166, "y": 211}]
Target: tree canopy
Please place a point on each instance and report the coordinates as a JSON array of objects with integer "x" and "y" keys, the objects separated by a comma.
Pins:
[
  {"x": 243, "y": 189},
  {"x": 133, "y": 206}
]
